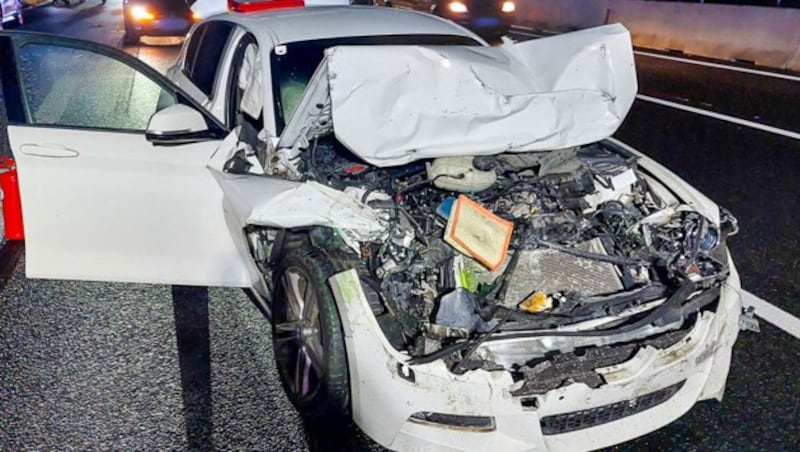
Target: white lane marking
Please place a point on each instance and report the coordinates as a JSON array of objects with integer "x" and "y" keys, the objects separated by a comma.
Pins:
[
  {"x": 525, "y": 31},
  {"x": 772, "y": 314},
  {"x": 726, "y": 67},
  {"x": 721, "y": 117}
]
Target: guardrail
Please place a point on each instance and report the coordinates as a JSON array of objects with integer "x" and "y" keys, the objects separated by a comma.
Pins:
[{"x": 763, "y": 35}]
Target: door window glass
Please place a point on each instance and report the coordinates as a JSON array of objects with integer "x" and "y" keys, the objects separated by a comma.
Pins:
[
  {"x": 74, "y": 87},
  {"x": 204, "y": 53}
]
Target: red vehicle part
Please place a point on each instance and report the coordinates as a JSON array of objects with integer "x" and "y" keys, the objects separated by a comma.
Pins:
[
  {"x": 262, "y": 5},
  {"x": 12, "y": 207}
]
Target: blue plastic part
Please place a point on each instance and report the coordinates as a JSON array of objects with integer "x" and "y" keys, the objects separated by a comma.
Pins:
[{"x": 445, "y": 207}]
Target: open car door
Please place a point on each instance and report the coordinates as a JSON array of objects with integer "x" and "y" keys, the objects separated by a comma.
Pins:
[{"x": 112, "y": 165}]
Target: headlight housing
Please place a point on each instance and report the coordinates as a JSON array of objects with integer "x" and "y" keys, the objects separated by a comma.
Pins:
[
  {"x": 458, "y": 7},
  {"x": 139, "y": 12}
]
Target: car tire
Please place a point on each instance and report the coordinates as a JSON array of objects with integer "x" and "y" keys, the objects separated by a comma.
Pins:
[
  {"x": 307, "y": 337},
  {"x": 131, "y": 37}
]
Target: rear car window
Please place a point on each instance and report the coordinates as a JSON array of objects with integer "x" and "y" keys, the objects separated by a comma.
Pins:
[{"x": 204, "y": 52}]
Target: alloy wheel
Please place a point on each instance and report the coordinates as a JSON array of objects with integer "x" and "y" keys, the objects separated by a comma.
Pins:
[{"x": 298, "y": 337}]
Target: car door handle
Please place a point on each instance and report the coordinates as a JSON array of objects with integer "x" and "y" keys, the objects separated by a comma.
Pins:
[{"x": 48, "y": 150}]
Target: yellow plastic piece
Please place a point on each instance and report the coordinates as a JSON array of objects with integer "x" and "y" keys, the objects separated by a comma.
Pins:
[{"x": 537, "y": 302}]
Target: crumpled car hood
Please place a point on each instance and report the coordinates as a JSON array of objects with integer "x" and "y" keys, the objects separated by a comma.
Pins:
[{"x": 391, "y": 105}]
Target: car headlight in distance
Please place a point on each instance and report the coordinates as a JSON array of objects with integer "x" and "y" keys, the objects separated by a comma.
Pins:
[
  {"x": 139, "y": 12},
  {"x": 509, "y": 7},
  {"x": 458, "y": 7},
  {"x": 454, "y": 421}
]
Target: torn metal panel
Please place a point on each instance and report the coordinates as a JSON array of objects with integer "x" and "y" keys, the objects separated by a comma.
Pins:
[
  {"x": 391, "y": 105},
  {"x": 314, "y": 204},
  {"x": 279, "y": 203},
  {"x": 276, "y": 202}
]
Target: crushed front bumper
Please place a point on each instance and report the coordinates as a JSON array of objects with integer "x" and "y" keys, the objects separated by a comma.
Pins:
[{"x": 665, "y": 382}]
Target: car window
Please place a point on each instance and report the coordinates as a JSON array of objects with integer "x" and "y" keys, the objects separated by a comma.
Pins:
[
  {"x": 293, "y": 64},
  {"x": 204, "y": 53},
  {"x": 245, "y": 85},
  {"x": 76, "y": 87}
]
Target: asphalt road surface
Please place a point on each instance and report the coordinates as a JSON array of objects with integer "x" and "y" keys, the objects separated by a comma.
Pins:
[{"x": 96, "y": 366}]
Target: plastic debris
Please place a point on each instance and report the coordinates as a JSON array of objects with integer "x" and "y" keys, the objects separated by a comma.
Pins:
[
  {"x": 537, "y": 302},
  {"x": 748, "y": 322}
]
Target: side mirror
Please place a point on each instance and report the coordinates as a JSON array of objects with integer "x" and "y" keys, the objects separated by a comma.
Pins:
[{"x": 176, "y": 124}]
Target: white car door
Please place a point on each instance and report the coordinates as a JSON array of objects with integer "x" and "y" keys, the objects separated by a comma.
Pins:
[{"x": 102, "y": 199}]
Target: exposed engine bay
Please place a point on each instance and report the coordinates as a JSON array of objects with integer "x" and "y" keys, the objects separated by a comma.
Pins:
[{"x": 577, "y": 243}]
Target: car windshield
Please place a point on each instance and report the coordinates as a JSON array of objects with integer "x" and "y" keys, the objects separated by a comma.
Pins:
[{"x": 293, "y": 64}]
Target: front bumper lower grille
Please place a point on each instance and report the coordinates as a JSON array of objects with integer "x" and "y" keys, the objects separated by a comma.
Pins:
[{"x": 579, "y": 420}]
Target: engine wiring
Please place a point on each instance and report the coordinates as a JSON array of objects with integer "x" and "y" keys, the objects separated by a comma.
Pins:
[{"x": 587, "y": 207}]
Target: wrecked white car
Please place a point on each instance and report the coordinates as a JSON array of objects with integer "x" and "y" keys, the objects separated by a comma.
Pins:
[{"x": 452, "y": 251}]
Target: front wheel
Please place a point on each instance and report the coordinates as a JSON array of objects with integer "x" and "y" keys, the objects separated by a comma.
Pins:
[
  {"x": 307, "y": 337},
  {"x": 131, "y": 37}
]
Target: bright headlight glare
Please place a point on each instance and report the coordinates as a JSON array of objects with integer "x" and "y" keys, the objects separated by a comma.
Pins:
[
  {"x": 139, "y": 12},
  {"x": 509, "y": 7},
  {"x": 457, "y": 7}
]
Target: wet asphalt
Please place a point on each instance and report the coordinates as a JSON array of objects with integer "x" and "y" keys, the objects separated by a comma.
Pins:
[{"x": 97, "y": 366}]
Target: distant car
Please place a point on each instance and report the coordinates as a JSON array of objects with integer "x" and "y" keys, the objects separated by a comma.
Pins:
[
  {"x": 11, "y": 12},
  {"x": 488, "y": 18},
  {"x": 156, "y": 18},
  {"x": 452, "y": 250}
]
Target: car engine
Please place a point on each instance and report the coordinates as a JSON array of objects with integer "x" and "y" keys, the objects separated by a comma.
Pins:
[{"x": 578, "y": 242}]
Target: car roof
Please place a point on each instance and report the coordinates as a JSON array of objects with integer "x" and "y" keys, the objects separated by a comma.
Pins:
[{"x": 325, "y": 22}]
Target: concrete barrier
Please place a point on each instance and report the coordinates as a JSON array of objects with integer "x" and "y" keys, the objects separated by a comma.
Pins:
[
  {"x": 562, "y": 15},
  {"x": 794, "y": 62},
  {"x": 766, "y": 36}
]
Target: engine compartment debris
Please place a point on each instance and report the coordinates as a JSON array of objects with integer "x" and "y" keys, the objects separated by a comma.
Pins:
[{"x": 573, "y": 242}]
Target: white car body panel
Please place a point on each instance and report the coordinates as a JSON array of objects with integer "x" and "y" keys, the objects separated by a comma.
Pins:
[
  {"x": 383, "y": 399},
  {"x": 123, "y": 210},
  {"x": 538, "y": 95}
]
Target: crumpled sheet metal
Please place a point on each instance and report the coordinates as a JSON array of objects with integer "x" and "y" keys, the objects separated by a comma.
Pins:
[
  {"x": 275, "y": 202},
  {"x": 312, "y": 203},
  {"x": 395, "y": 104}
]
